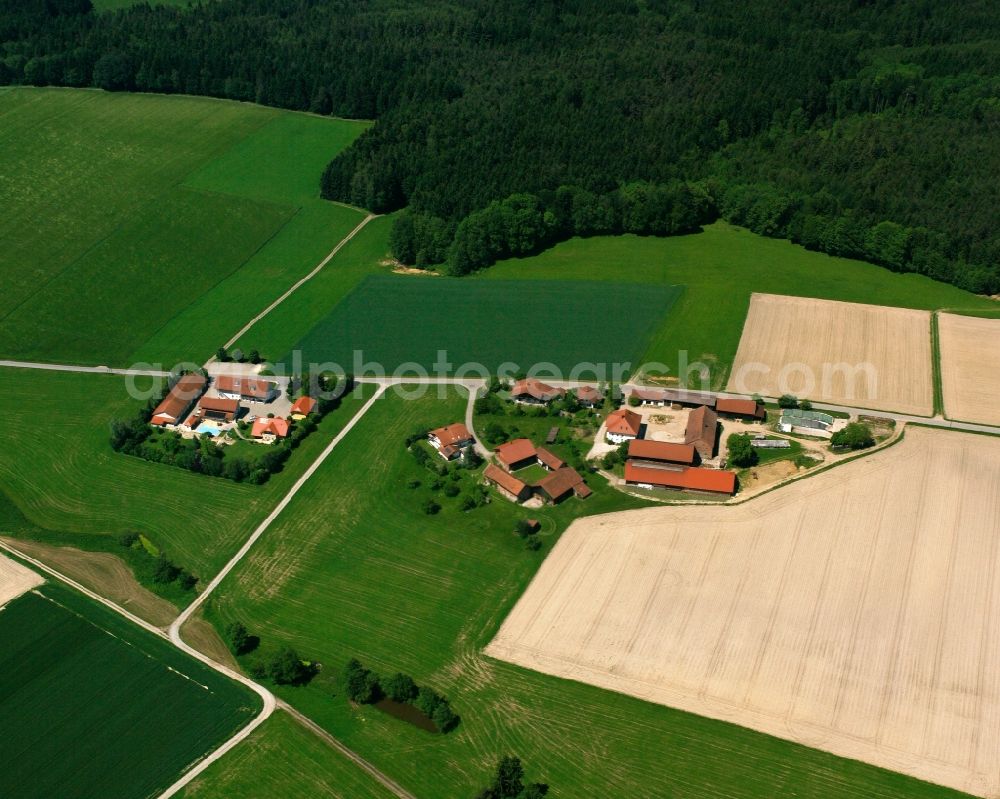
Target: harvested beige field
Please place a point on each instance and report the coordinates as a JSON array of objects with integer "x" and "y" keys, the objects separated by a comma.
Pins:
[
  {"x": 15, "y": 579},
  {"x": 855, "y": 611},
  {"x": 865, "y": 356},
  {"x": 970, "y": 367}
]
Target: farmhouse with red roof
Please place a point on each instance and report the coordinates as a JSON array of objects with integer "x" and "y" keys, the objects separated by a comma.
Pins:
[{"x": 622, "y": 425}]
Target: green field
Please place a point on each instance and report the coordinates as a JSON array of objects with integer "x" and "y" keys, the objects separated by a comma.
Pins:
[
  {"x": 362, "y": 256},
  {"x": 121, "y": 211},
  {"x": 58, "y": 469},
  {"x": 394, "y": 320},
  {"x": 283, "y": 760},
  {"x": 719, "y": 268},
  {"x": 91, "y": 705},
  {"x": 354, "y": 568}
]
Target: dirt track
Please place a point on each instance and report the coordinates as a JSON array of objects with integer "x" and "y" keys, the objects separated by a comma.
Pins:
[
  {"x": 853, "y": 612},
  {"x": 970, "y": 367},
  {"x": 866, "y": 356}
]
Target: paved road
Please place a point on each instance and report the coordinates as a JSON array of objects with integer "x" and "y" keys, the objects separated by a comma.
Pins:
[{"x": 100, "y": 370}]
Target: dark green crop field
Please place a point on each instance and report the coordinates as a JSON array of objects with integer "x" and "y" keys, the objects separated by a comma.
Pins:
[
  {"x": 394, "y": 320},
  {"x": 93, "y": 706}
]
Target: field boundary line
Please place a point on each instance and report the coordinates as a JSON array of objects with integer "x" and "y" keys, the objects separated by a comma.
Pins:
[
  {"x": 350, "y": 754},
  {"x": 298, "y": 284}
]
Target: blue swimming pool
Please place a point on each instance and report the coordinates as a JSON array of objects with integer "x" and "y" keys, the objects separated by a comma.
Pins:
[{"x": 207, "y": 427}]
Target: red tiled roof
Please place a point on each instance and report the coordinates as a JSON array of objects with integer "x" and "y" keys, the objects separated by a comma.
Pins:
[
  {"x": 702, "y": 426},
  {"x": 304, "y": 405},
  {"x": 661, "y": 451},
  {"x": 550, "y": 459},
  {"x": 560, "y": 482},
  {"x": 536, "y": 389},
  {"x": 623, "y": 422},
  {"x": 244, "y": 386},
  {"x": 185, "y": 391},
  {"x": 741, "y": 407},
  {"x": 219, "y": 405},
  {"x": 278, "y": 427},
  {"x": 451, "y": 434},
  {"x": 505, "y": 480},
  {"x": 691, "y": 478},
  {"x": 589, "y": 394},
  {"x": 515, "y": 451}
]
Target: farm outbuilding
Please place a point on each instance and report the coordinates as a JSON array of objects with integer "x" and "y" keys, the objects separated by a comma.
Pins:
[
  {"x": 516, "y": 454},
  {"x": 693, "y": 478},
  {"x": 560, "y": 484},
  {"x": 180, "y": 397},
  {"x": 703, "y": 430},
  {"x": 662, "y": 452},
  {"x": 508, "y": 485},
  {"x": 740, "y": 409}
]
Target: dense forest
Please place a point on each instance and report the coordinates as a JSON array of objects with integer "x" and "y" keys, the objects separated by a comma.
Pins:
[{"x": 867, "y": 128}]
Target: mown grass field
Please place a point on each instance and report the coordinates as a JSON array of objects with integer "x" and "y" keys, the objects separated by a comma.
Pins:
[
  {"x": 58, "y": 469},
  {"x": 396, "y": 320},
  {"x": 123, "y": 210},
  {"x": 91, "y": 705},
  {"x": 283, "y": 759},
  {"x": 354, "y": 568},
  {"x": 719, "y": 269}
]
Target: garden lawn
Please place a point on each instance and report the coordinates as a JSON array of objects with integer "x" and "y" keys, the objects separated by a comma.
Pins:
[
  {"x": 719, "y": 269},
  {"x": 283, "y": 759},
  {"x": 111, "y": 226},
  {"x": 354, "y": 568},
  {"x": 92, "y": 705},
  {"x": 395, "y": 320},
  {"x": 58, "y": 469}
]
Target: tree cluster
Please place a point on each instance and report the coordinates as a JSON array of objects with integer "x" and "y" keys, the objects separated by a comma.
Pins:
[
  {"x": 365, "y": 687},
  {"x": 157, "y": 569},
  {"x": 508, "y": 783},
  {"x": 522, "y": 224},
  {"x": 856, "y": 435},
  {"x": 741, "y": 452},
  {"x": 284, "y": 666}
]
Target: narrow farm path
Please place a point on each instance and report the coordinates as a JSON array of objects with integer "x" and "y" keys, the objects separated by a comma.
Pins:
[
  {"x": 350, "y": 754},
  {"x": 299, "y": 283},
  {"x": 66, "y": 367}
]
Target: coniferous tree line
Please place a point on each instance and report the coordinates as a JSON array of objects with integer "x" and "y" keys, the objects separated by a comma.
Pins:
[{"x": 857, "y": 128}]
